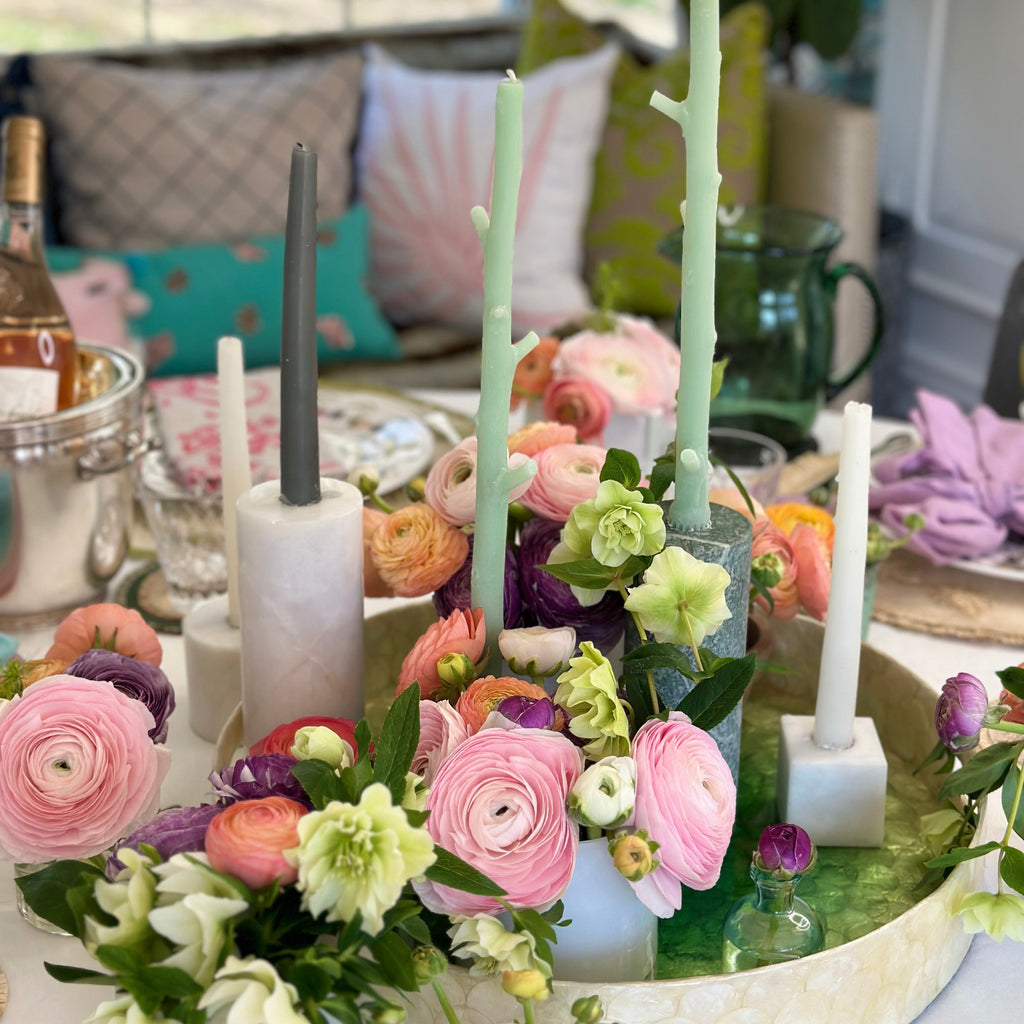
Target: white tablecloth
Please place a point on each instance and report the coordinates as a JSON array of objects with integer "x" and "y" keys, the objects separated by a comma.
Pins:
[{"x": 988, "y": 988}]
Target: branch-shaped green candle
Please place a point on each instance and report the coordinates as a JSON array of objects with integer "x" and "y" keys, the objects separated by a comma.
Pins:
[
  {"x": 697, "y": 116},
  {"x": 494, "y": 479}
]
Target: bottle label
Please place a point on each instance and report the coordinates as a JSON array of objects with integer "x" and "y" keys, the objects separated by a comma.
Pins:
[{"x": 27, "y": 392}]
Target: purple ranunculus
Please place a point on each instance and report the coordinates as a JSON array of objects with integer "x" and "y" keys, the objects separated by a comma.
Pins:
[
  {"x": 549, "y": 601},
  {"x": 174, "y": 830},
  {"x": 529, "y": 712},
  {"x": 456, "y": 592},
  {"x": 786, "y": 848},
  {"x": 960, "y": 711},
  {"x": 252, "y": 778},
  {"x": 137, "y": 679}
]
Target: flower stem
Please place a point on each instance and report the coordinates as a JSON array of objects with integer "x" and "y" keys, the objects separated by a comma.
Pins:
[
  {"x": 1010, "y": 819},
  {"x": 693, "y": 642},
  {"x": 528, "y": 1011},
  {"x": 1008, "y": 727},
  {"x": 642, "y": 634},
  {"x": 381, "y": 503},
  {"x": 449, "y": 1011}
]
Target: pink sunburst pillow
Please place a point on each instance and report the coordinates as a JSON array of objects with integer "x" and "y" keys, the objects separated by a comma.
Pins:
[{"x": 424, "y": 159}]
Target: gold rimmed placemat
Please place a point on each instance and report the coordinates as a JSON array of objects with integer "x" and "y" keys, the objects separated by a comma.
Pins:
[{"x": 914, "y": 594}]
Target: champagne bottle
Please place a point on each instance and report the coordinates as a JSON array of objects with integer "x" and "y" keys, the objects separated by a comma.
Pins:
[{"x": 38, "y": 367}]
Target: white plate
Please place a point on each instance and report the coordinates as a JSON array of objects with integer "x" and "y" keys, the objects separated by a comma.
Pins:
[
  {"x": 362, "y": 429},
  {"x": 1005, "y": 564}
]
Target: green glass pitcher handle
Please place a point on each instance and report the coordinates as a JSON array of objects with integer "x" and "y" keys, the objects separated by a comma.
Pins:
[{"x": 833, "y": 385}]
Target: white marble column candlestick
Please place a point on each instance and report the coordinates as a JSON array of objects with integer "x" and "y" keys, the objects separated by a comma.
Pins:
[{"x": 301, "y": 597}]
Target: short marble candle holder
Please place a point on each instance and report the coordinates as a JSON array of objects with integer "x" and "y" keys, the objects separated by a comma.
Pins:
[
  {"x": 836, "y": 796},
  {"x": 213, "y": 666}
]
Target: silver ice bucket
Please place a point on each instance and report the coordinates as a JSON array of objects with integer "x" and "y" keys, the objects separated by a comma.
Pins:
[{"x": 66, "y": 493}]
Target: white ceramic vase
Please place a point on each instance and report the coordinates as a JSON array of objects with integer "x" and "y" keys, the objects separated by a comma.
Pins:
[{"x": 613, "y": 936}]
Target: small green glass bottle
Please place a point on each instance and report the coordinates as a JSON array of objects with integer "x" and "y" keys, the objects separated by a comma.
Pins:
[{"x": 772, "y": 925}]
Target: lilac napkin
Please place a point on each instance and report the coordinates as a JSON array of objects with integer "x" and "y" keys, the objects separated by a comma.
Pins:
[{"x": 967, "y": 481}]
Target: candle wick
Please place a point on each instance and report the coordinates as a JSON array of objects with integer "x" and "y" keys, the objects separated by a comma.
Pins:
[{"x": 511, "y": 75}]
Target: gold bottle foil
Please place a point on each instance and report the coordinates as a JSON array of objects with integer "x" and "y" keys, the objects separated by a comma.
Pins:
[{"x": 23, "y": 140}]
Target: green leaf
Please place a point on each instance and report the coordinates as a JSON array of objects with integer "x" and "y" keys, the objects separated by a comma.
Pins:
[
  {"x": 657, "y": 655},
  {"x": 1008, "y": 794},
  {"x": 718, "y": 368},
  {"x": 638, "y": 694},
  {"x": 663, "y": 475},
  {"x": 587, "y": 573},
  {"x": 711, "y": 700},
  {"x": 417, "y": 930},
  {"x": 77, "y": 975},
  {"x": 960, "y": 854},
  {"x": 119, "y": 959},
  {"x": 319, "y": 781},
  {"x": 312, "y": 981},
  {"x": 46, "y": 891},
  {"x": 170, "y": 981},
  {"x": 457, "y": 874},
  {"x": 985, "y": 771},
  {"x": 344, "y": 1008},
  {"x": 938, "y": 753},
  {"x": 1013, "y": 680},
  {"x": 396, "y": 744},
  {"x": 830, "y": 28},
  {"x": 395, "y": 960},
  {"x": 736, "y": 481},
  {"x": 1011, "y": 868},
  {"x": 622, "y": 466}
]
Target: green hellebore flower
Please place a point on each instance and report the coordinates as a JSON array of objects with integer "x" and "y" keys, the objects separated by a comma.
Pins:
[
  {"x": 588, "y": 691},
  {"x": 682, "y": 599},
  {"x": 998, "y": 914},
  {"x": 614, "y": 525}
]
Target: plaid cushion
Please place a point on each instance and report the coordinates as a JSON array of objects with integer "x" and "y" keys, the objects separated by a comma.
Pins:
[{"x": 149, "y": 158}]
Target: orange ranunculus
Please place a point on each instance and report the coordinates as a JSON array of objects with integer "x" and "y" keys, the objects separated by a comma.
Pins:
[
  {"x": 415, "y": 550},
  {"x": 813, "y": 571},
  {"x": 373, "y": 585},
  {"x": 535, "y": 437},
  {"x": 730, "y": 497},
  {"x": 533, "y": 371},
  {"x": 248, "y": 839},
  {"x": 786, "y": 515},
  {"x": 461, "y": 633},
  {"x": 105, "y": 625},
  {"x": 485, "y": 694}
]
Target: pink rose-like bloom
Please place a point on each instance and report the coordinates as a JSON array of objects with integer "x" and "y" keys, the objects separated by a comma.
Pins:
[
  {"x": 813, "y": 570},
  {"x": 78, "y": 770},
  {"x": 636, "y": 365},
  {"x": 248, "y": 840},
  {"x": 122, "y": 628},
  {"x": 442, "y": 729},
  {"x": 462, "y": 632},
  {"x": 498, "y": 802},
  {"x": 771, "y": 544},
  {"x": 450, "y": 487},
  {"x": 566, "y": 475},
  {"x": 686, "y": 800},
  {"x": 580, "y": 402},
  {"x": 535, "y": 437}
]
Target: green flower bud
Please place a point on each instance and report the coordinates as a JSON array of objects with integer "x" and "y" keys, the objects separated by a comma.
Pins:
[
  {"x": 427, "y": 963},
  {"x": 588, "y": 1009},
  {"x": 388, "y": 1015},
  {"x": 523, "y": 985},
  {"x": 456, "y": 671},
  {"x": 633, "y": 854}
]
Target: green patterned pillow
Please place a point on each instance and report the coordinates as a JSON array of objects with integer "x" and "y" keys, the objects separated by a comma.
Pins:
[{"x": 640, "y": 171}]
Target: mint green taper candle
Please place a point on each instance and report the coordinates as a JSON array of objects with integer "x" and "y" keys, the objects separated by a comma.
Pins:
[
  {"x": 494, "y": 479},
  {"x": 697, "y": 116}
]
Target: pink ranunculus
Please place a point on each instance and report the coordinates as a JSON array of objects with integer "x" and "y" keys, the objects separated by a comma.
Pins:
[
  {"x": 813, "y": 571},
  {"x": 450, "y": 488},
  {"x": 535, "y": 437},
  {"x": 771, "y": 547},
  {"x": 105, "y": 625},
  {"x": 498, "y": 802},
  {"x": 78, "y": 770},
  {"x": 566, "y": 475},
  {"x": 686, "y": 801},
  {"x": 248, "y": 840},
  {"x": 442, "y": 729},
  {"x": 636, "y": 365},
  {"x": 580, "y": 402},
  {"x": 461, "y": 633}
]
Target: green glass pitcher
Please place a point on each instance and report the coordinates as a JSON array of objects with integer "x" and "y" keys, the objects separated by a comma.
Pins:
[{"x": 773, "y": 313}]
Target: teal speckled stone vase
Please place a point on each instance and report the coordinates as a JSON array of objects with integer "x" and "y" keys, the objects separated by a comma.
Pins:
[{"x": 725, "y": 541}]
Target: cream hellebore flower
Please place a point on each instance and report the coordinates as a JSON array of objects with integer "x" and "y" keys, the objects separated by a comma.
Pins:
[
  {"x": 358, "y": 857},
  {"x": 604, "y": 794},
  {"x": 588, "y": 691},
  {"x": 317, "y": 741},
  {"x": 614, "y": 525},
  {"x": 998, "y": 914},
  {"x": 124, "y": 1010},
  {"x": 129, "y": 899},
  {"x": 682, "y": 599},
  {"x": 416, "y": 793},
  {"x": 187, "y": 873},
  {"x": 250, "y": 991},
  {"x": 537, "y": 651},
  {"x": 493, "y": 947}
]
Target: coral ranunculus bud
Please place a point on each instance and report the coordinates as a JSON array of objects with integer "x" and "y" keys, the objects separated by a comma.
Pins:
[
  {"x": 785, "y": 850},
  {"x": 960, "y": 711},
  {"x": 633, "y": 855},
  {"x": 529, "y": 984}
]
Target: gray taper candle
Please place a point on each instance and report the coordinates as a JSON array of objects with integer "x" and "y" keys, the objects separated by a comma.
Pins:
[{"x": 300, "y": 445}]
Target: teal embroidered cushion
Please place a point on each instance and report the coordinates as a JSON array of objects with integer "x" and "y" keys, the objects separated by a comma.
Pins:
[{"x": 199, "y": 292}]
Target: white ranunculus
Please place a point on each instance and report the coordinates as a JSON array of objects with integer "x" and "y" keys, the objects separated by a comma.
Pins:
[
  {"x": 124, "y": 1010},
  {"x": 324, "y": 744},
  {"x": 198, "y": 924},
  {"x": 605, "y": 793},
  {"x": 129, "y": 899},
  {"x": 250, "y": 992},
  {"x": 187, "y": 873},
  {"x": 536, "y": 650},
  {"x": 492, "y": 947}
]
